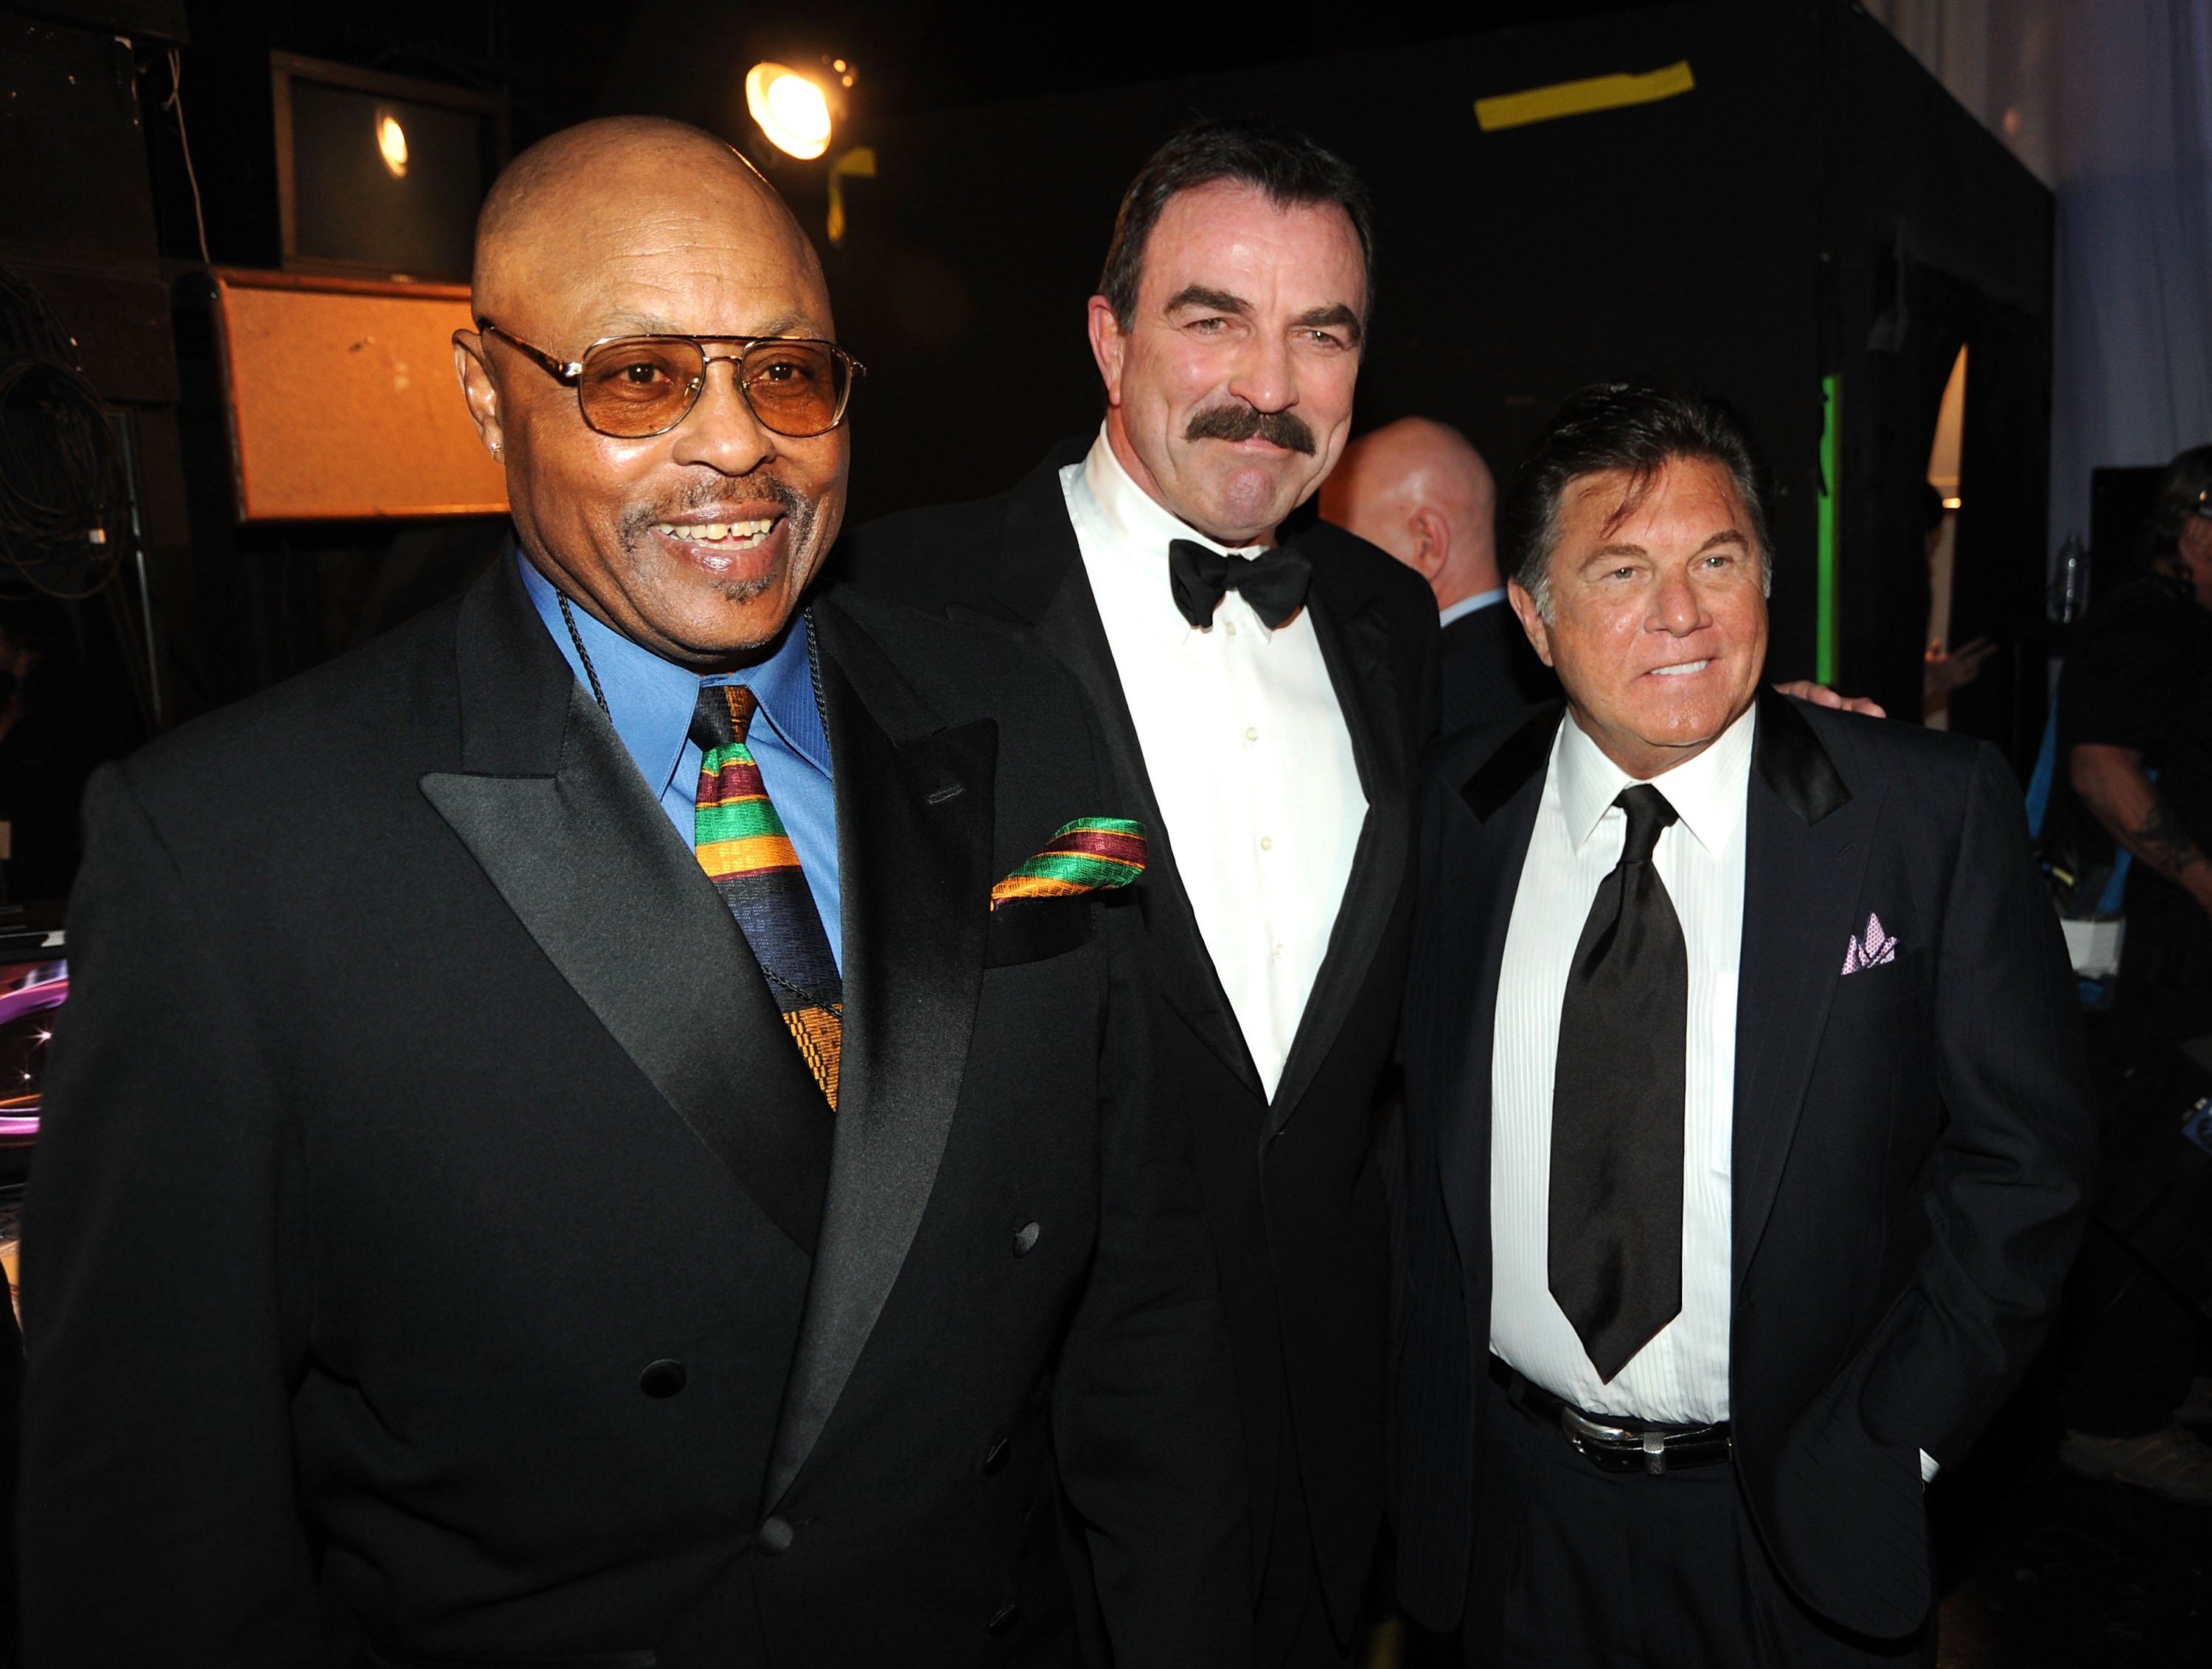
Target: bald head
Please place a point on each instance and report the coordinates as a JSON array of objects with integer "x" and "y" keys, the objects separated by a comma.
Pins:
[
  {"x": 696, "y": 543},
  {"x": 619, "y": 188},
  {"x": 1417, "y": 488}
]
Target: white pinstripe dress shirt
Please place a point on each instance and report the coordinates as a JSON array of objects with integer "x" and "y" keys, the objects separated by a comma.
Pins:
[{"x": 1682, "y": 1377}]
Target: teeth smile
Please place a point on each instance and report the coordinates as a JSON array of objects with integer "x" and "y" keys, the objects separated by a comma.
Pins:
[
  {"x": 1682, "y": 670},
  {"x": 715, "y": 532}
]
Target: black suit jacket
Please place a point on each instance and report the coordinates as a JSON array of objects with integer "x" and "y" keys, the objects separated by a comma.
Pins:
[
  {"x": 1909, "y": 1150},
  {"x": 438, "y": 1250},
  {"x": 1291, "y": 1193},
  {"x": 1489, "y": 671}
]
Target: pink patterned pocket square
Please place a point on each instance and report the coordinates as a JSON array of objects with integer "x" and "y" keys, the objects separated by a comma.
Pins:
[{"x": 1876, "y": 948}]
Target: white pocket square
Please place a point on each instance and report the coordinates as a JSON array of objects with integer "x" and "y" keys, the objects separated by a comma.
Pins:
[{"x": 1876, "y": 948}]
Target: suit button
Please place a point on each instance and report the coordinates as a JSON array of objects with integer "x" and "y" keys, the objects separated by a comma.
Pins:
[
  {"x": 1003, "y": 1620},
  {"x": 664, "y": 1377},
  {"x": 774, "y": 1536},
  {"x": 994, "y": 1458},
  {"x": 1025, "y": 1239}
]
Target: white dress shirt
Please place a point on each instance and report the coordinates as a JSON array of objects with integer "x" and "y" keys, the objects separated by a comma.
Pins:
[
  {"x": 1248, "y": 754},
  {"x": 1682, "y": 1376},
  {"x": 1467, "y": 605}
]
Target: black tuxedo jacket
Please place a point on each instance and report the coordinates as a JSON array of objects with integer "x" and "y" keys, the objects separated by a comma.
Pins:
[
  {"x": 1291, "y": 1193},
  {"x": 440, "y": 1254},
  {"x": 1909, "y": 1150},
  {"x": 1489, "y": 671}
]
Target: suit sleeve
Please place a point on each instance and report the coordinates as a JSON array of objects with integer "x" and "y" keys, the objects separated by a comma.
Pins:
[
  {"x": 1144, "y": 1417},
  {"x": 163, "y": 1292},
  {"x": 2010, "y": 1176}
]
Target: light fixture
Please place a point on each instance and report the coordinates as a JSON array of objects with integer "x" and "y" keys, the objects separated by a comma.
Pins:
[
  {"x": 791, "y": 110},
  {"x": 392, "y": 143},
  {"x": 1951, "y": 503}
]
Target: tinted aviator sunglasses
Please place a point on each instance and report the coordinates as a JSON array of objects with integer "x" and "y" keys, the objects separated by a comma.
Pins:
[{"x": 633, "y": 387}]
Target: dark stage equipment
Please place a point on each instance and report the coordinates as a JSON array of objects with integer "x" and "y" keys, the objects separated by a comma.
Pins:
[
  {"x": 92, "y": 507},
  {"x": 2120, "y": 499},
  {"x": 342, "y": 402},
  {"x": 1770, "y": 197},
  {"x": 380, "y": 175}
]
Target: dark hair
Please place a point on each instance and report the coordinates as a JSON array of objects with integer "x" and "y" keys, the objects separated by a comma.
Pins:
[
  {"x": 1636, "y": 427},
  {"x": 2183, "y": 491},
  {"x": 1292, "y": 170}
]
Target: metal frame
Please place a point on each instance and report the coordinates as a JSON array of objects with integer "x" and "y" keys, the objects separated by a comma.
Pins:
[{"x": 285, "y": 67}]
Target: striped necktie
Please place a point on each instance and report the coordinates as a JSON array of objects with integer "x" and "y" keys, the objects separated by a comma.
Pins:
[{"x": 746, "y": 853}]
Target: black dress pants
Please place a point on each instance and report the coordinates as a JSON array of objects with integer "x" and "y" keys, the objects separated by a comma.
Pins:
[{"x": 1581, "y": 1569}]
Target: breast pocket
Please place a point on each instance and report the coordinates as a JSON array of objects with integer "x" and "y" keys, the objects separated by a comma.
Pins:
[
  {"x": 1031, "y": 929},
  {"x": 1885, "y": 984}
]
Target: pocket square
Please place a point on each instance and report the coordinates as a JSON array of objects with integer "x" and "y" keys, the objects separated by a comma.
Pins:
[
  {"x": 1091, "y": 854},
  {"x": 1876, "y": 948}
]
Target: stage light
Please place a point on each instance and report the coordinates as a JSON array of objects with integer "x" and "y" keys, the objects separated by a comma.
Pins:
[
  {"x": 790, "y": 109},
  {"x": 1952, "y": 503},
  {"x": 391, "y": 141}
]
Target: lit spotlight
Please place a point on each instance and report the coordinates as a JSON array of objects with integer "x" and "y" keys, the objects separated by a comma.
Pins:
[
  {"x": 790, "y": 109},
  {"x": 391, "y": 141}
]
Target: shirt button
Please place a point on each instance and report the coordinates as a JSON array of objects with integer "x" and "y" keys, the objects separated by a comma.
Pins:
[
  {"x": 1267, "y": 843},
  {"x": 1231, "y": 625},
  {"x": 1278, "y": 953},
  {"x": 1251, "y": 732}
]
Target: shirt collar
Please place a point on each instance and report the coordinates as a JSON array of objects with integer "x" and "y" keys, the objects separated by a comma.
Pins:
[
  {"x": 651, "y": 701},
  {"x": 1467, "y": 605},
  {"x": 1136, "y": 524},
  {"x": 1707, "y": 791}
]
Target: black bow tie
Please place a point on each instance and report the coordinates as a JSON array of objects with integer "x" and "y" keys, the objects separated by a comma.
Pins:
[{"x": 1274, "y": 582}]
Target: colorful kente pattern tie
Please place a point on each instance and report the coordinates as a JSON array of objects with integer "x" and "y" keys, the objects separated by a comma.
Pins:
[
  {"x": 1091, "y": 854},
  {"x": 746, "y": 853}
]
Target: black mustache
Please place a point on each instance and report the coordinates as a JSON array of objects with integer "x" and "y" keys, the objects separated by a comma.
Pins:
[{"x": 1285, "y": 429}]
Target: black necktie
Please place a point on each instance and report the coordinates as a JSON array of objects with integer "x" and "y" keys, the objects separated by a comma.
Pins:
[
  {"x": 1274, "y": 582},
  {"x": 1616, "y": 1217}
]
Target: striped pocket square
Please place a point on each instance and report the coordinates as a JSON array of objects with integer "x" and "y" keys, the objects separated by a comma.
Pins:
[{"x": 1091, "y": 854}]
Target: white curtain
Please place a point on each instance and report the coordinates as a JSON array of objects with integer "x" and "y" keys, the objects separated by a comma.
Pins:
[{"x": 2110, "y": 102}]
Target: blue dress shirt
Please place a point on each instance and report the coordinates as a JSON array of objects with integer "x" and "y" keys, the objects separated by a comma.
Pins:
[{"x": 650, "y": 701}]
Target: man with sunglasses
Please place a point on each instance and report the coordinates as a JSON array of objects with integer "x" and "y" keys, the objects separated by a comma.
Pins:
[{"x": 602, "y": 1130}]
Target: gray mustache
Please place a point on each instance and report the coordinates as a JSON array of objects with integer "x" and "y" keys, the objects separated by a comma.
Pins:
[{"x": 1243, "y": 422}]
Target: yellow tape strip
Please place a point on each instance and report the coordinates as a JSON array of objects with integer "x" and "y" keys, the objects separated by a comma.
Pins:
[{"x": 1579, "y": 98}]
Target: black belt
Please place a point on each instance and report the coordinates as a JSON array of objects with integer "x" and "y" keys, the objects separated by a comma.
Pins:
[{"x": 1615, "y": 1442}]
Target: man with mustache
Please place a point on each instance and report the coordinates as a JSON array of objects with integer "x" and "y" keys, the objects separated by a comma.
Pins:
[
  {"x": 607, "y": 1128},
  {"x": 1263, "y": 705}
]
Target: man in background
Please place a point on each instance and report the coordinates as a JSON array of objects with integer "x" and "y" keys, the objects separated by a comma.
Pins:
[
  {"x": 1420, "y": 490},
  {"x": 2135, "y": 728}
]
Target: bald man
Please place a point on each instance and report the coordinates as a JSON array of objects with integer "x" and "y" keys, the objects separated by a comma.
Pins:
[
  {"x": 600, "y": 1130},
  {"x": 1418, "y": 490}
]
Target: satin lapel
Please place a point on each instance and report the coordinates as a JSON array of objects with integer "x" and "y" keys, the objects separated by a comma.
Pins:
[
  {"x": 551, "y": 808},
  {"x": 1072, "y": 630},
  {"x": 913, "y": 849},
  {"x": 1479, "y": 879},
  {"x": 1807, "y": 836},
  {"x": 1357, "y": 653}
]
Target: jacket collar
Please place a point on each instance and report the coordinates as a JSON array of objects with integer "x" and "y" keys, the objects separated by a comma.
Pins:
[{"x": 1785, "y": 754}]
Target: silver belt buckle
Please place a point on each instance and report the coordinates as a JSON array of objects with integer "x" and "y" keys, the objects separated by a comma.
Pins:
[{"x": 1580, "y": 1429}]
